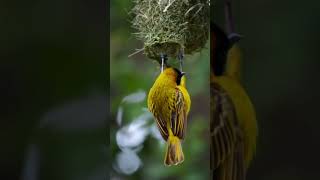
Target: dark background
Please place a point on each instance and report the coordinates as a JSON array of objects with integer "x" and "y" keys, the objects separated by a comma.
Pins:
[
  {"x": 53, "y": 89},
  {"x": 281, "y": 74}
]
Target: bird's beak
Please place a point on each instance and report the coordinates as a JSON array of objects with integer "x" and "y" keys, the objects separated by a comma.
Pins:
[
  {"x": 182, "y": 74},
  {"x": 234, "y": 37}
]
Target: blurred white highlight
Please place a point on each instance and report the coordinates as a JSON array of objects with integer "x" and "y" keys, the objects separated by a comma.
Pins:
[
  {"x": 127, "y": 162},
  {"x": 134, "y": 97}
]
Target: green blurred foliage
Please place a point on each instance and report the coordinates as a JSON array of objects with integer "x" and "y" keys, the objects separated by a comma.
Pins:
[{"x": 130, "y": 74}]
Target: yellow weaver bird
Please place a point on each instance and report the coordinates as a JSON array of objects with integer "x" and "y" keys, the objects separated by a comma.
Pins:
[
  {"x": 169, "y": 102},
  {"x": 233, "y": 123}
]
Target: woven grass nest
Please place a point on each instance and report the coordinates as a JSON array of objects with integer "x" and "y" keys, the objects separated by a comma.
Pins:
[{"x": 168, "y": 26}]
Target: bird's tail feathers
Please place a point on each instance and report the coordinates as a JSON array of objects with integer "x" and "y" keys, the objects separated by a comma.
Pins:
[{"x": 174, "y": 154}]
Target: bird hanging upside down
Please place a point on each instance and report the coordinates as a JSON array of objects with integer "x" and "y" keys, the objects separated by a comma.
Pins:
[
  {"x": 169, "y": 102},
  {"x": 233, "y": 125}
]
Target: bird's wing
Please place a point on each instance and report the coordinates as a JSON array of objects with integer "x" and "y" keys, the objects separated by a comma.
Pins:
[
  {"x": 161, "y": 123},
  {"x": 227, "y": 157},
  {"x": 160, "y": 120},
  {"x": 178, "y": 118}
]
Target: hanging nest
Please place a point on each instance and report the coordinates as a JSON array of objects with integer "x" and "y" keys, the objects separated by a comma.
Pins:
[{"x": 167, "y": 26}]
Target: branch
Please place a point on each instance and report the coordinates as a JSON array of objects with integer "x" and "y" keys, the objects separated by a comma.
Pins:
[{"x": 229, "y": 18}]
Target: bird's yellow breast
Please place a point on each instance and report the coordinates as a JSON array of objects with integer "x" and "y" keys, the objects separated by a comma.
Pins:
[
  {"x": 159, "y": 96},
  {"x": 245, "y": 113}
]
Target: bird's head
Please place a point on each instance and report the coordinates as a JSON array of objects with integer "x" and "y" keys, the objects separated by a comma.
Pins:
[{"x": 174, "y": 74}]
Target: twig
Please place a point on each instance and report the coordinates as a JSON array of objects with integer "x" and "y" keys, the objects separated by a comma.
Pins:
[
  {"x": 138, "y": 51},
  {"x": 169, "y": 4}
]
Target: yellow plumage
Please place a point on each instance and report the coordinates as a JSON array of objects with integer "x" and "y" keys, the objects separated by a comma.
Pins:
[
  {"x": 245, "y": 113},
  {"x": 233, "y": 123},
  {"x": 183, "y": 88},
  {"x": 234, "y": 63},
  {"x": 169, "y": 102}
]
